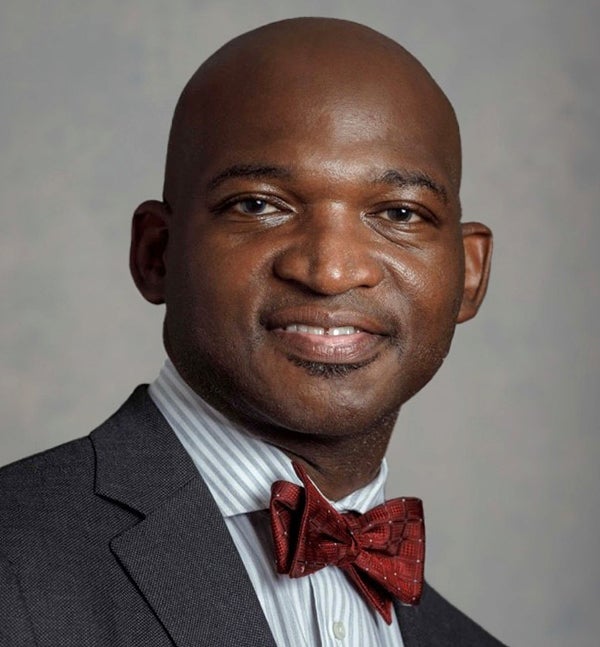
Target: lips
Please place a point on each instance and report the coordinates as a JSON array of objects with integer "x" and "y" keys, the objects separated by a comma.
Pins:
[{"x": 327, "y": 336}]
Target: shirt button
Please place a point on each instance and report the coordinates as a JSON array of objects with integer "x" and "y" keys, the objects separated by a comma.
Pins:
[{"x": 339, "y": 631}]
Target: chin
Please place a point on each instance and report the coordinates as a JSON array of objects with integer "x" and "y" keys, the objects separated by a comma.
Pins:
[
  {"x": 328, "y": 370},
  {"x": 323, "y": 412}
]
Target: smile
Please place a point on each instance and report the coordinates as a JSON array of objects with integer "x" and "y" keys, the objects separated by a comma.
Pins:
[{"x": 316, "y": 337}]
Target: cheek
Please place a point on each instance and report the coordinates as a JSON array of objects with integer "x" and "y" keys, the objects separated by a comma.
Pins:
[
  {"x": 430, "y": 282},
  {"x": 216, "y": 303},
  {"x": 445, "y": 285}
]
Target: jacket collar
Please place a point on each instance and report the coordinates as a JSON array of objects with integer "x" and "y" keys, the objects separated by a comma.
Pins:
[{"x": 179, "y": 554}]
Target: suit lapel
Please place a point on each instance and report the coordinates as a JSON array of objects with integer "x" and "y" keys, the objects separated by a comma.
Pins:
[
  {"x": 185, "y": 565},
  {"x": 180, "y": 554},
  {"x": 410, "y": 628},
  {"x": 436, "y": 623}
]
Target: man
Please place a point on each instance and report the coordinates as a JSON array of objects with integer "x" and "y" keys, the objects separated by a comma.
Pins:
[{"x": 311, "y": 257}]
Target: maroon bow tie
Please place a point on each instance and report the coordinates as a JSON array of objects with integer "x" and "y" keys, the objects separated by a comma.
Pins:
[{"x": 382, "y": 551}]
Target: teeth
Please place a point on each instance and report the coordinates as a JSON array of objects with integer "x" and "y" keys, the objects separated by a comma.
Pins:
[
  {"x": 342, "y": 330},
  {"x": 311, "y": 330},
  {"x": 317, "y": 330}
]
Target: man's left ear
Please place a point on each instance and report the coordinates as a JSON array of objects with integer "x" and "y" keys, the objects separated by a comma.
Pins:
[{"x": 477, "y": 242}]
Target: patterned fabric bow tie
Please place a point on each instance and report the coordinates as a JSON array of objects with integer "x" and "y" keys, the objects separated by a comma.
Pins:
[{"x": 381, "y": 551}]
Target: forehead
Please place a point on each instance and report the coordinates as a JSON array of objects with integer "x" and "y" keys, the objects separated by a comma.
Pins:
[{"x": 330, "y": 115}]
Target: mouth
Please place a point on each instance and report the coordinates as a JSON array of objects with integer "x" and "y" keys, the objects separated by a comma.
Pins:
[{"x": 314, "y": 338}]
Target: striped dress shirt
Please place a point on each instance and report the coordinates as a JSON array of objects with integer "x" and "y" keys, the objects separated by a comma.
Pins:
[{"x": 320, "y": 609}]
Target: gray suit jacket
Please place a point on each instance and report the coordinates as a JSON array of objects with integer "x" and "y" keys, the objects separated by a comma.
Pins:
[{"x": 114, "y": 540}]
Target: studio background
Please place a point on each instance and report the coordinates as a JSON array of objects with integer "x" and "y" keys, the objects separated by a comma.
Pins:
[{"x": 503, "y": 445}]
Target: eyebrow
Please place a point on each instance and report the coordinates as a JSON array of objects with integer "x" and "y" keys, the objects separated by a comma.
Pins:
[
  {"x": 257, "y": 171},
  {"x": 393, "y": 177},
  {"x": 405, "y": 179}
]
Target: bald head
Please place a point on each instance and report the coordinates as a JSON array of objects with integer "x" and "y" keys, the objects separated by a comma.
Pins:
[{"x": 323, "y": 65}]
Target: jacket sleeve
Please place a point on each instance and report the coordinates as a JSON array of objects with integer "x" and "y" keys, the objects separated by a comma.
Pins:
[{"x": 16, "y": 629}]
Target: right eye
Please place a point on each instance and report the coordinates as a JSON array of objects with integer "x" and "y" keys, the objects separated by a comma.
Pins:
[{"x": 254, "y": 207}]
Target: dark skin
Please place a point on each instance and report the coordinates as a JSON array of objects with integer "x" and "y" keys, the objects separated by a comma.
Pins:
[{"x": 309, "y": 247}]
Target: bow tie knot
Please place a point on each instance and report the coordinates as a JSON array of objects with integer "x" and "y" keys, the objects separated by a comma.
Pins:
[{"x": 382, "y": 551}]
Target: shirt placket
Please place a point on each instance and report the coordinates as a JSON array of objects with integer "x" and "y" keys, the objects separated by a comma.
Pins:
[{"x": 333, "y": 608}]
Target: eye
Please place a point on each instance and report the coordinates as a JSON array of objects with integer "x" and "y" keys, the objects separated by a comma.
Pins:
[
  {"x": 253, "y": 210},
  {"x": 255, "y": 207},
  {"x": 400, "y": 215}
]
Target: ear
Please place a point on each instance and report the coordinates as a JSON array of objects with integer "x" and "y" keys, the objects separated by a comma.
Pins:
[
  {"x": 147, "y": 256},
  {"x": 477, "y": 242}
]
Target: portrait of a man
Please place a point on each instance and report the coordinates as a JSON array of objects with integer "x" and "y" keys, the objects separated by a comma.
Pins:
[{"x": 312, "y": 259}]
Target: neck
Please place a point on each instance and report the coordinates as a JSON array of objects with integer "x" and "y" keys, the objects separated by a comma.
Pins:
[
  {"x": 338, "y": 466},
  {"x": 337, "y": 480}
]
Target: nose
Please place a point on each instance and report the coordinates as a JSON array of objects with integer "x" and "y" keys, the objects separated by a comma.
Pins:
[{"x": 331, "y": 252}]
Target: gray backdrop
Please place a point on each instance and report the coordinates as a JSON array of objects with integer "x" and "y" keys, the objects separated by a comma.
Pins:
[{"x": 503, "y": 445}]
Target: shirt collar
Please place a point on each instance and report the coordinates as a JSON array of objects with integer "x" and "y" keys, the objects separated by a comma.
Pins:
[{"x": 238, "y": 468}]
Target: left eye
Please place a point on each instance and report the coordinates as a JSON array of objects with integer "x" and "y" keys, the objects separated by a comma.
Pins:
[
  {"x": 255, "y": 207},
  {"x": 400, "y": 214}
]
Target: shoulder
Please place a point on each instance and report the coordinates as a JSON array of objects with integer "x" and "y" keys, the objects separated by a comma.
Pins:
[
  {"x": 43, "y": 499},
  {"x": 50, "y": 494},
  {"x": 36, "y": 487},
  {"x": 438, "y": 623},
  {"x": 60, "y": 511}
]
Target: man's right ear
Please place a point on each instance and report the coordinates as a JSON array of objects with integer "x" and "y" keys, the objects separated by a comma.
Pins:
[{"x": 148, "y": 252}]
